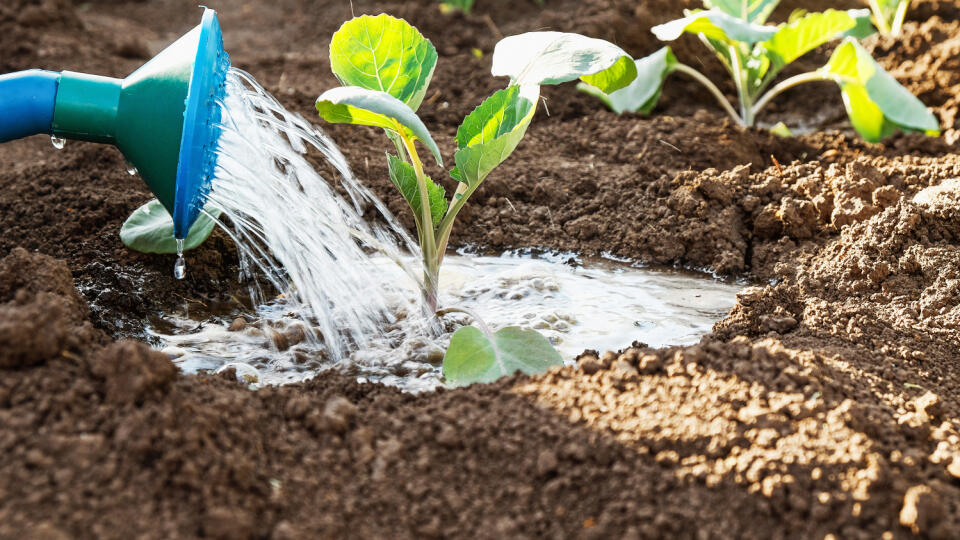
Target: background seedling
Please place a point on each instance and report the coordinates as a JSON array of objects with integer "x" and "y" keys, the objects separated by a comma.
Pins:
[
  {"x": 888, "y": 15},
  {"x": 755, "y": 53}
]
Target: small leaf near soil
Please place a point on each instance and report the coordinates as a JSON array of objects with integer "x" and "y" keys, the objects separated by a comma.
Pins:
[
  {"x": 473, "y": 358},
  {"x": 149, "y": 229}
]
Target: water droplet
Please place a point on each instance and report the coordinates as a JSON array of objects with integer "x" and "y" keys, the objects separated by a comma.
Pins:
[
  {"x": 57, "y": 142},
  {"x": 180, "y": 268},
  {"x": 131, "y": 169}
]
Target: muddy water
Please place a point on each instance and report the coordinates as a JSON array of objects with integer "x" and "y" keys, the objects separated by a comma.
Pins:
[{"x": 578, "y": 304}]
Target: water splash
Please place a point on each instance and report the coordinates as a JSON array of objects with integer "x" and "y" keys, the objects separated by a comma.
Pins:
[
  {"x": 293, "y": 229},
  {"x": 131, "y": 168},
  {"x": 58, "y": 142}
]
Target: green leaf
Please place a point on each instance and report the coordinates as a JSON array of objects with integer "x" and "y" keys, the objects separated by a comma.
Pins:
[
  {"x": 806, "y": 33},
  {"x": 863, "y": 26},
  {"x": 876, "y": 103},
  {"x": 492, "y": 132},
  {"x": 149, "y": 229},
  {"x": 383, "y": 53},
  {"x": 363, "y": 107},
  {"x": 616, "y": 77},
  {"x": 755, "y": 11},
  {"x": 404, "y": 177},
  {"x": 781, "y": 130},
  {"x": 473, "y": 358},
  {"x": 717, "y": 25},
  {"x": 463, "y": 5},
  {"x": 557, "y": 57},
  {"x": 642, "y": 94}
]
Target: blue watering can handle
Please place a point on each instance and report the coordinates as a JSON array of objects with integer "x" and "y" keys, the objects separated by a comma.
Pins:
[{"x": 27, "y": 99}]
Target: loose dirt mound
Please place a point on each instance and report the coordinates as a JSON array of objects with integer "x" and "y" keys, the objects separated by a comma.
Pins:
[{"x": 824, "y": 404}]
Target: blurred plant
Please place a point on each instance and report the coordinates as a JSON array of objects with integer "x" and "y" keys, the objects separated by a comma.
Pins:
[{"x": 754, "y": 53}]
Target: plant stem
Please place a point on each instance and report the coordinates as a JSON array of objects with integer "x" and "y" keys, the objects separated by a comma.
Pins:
[
  {"x": 446, "y": 226},
  {"x": 786, "y": 84},
  {"x": 473, "y": 315},
  {"x": 878, "y": 18},
  {"x": 739, "y": 79},
  {"x": 721, "y": 99},
  {"x": 898, "y": 18},
  {"x": 428, "y": 247}
]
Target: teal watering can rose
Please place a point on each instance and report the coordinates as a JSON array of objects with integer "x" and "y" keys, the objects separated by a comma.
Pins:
[{"x": 163, "y": 117}]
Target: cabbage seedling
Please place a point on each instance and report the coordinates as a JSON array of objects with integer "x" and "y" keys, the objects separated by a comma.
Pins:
[
  {"x": 754, "y": 53},
  {"x": 385, "y": 66},
  {"x": 888, "y": 15}
]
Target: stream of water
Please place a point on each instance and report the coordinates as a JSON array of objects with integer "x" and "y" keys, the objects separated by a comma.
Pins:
[{"x": 334, "y": 289}]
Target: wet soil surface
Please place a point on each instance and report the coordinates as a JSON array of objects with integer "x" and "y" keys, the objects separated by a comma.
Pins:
[{"x": 825, "y": 403}]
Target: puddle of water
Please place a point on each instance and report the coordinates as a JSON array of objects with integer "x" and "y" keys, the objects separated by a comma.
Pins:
[
  {"x": 594, "y": 304},
  {"x": 347, "y": 293}
]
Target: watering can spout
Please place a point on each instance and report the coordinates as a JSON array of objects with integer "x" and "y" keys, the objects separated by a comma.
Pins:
[{"x": 164, "y": 117}]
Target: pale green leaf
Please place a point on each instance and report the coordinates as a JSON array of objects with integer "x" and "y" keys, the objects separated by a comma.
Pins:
[
  {"x": 755, "y": 11},
  {"x": 360, "y": 106},
  {"x": 714, "y": 24},
  {"x": 404, "y": 177},
  {"x": 863, "y": 24},
  {"x": 557, "y": 57},
  {"x": 642, "y": 94},
  {"x": 473, "y": 358},
  {"x": 876, "y": 103},
  {"x": 383, "y": 53},
  {"x": 806, "y": 33},
  {"x": 149, "y": 229},
  {"x": 615, "y": 77},
  {"x": 492, "y": 131}
]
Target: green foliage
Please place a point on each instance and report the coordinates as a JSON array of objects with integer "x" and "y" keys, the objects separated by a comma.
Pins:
[
  {"x": 150, "y": 230},
  {"x": 474, "y": 356},
  {"x": 755, "y": 53},
  {"x": 876, "y": 103},
  {"x": 642, "y": 94},
  {"x": 492, "y": 132},
  {"x": 864, "y": 24},
  {"x": 714, "y": 24},
  {"x": 754, "y": 11},
  {"x": 404, "y": 177},
  {"x": 364, "y": 107},
  {"x": 888, "y": 15},
  {"x": 383, "y": 53},
  {"x": 538, "y": 58}
]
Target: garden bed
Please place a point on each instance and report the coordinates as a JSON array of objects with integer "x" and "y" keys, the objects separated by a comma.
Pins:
[{"x": 825, "y": 403}]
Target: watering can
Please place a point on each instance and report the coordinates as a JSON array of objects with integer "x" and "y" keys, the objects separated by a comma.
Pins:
[{"x": 163, "y": 117}]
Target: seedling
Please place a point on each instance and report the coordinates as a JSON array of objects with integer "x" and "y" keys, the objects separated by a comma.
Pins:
[
  {"x": 888, "y": 15},
  {"x": 385, "y": 66},
  {"x": 755, "y": 53}
]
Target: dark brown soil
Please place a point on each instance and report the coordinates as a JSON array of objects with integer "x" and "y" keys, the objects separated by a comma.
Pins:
[{"x": 825, "y": 404}]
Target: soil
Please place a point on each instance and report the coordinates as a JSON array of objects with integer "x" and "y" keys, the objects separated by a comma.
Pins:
[{"x": 825, "y": 403}]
